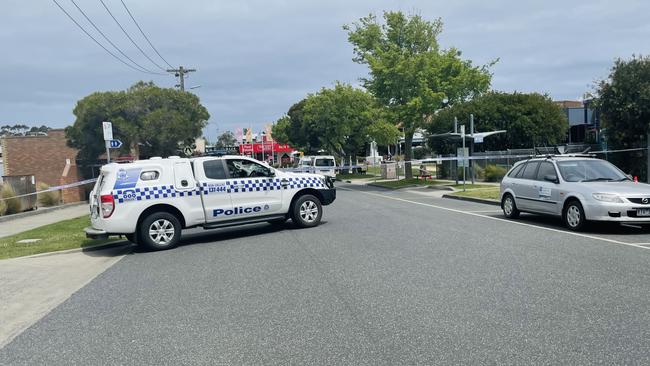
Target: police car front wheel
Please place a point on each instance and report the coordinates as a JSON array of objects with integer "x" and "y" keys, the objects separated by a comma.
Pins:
[
  {"x": 160, "y": 230},
  {"x": 307, "y": 211}
]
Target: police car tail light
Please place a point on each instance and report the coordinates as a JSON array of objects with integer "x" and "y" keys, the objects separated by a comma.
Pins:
[{"x": 108, "y": 205}]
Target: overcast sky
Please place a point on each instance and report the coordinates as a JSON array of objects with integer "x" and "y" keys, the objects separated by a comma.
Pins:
[{"x": 255, "y": 58}]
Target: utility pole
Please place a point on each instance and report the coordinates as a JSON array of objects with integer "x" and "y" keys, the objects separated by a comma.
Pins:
[{"x": 180, "y": 74}]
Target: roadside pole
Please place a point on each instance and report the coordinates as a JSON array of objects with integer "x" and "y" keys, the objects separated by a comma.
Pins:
[
  {"x": 107, "y": 128},
  {"x": 647, "y": 152},
  {"x": 462, "y": 135},
  {"x": 471, "y": 147}
]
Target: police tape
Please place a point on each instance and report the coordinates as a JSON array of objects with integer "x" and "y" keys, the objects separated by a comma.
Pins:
[
  {"x": 55, "y": 188},
  {"x": 440, "y": 159}
]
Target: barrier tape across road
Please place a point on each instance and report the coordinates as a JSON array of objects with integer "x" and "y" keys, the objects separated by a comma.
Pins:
[
  {"x": 55, "y": 188},
  {"x": 356, "y": 166}
]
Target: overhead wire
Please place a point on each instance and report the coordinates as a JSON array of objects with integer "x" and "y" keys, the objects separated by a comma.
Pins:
[
  {"x": 129, "y": 37},
  {"x": 144, "y": 35},
  {"x": 144, "y": 69},
  {"x": 95, "y": 40}
]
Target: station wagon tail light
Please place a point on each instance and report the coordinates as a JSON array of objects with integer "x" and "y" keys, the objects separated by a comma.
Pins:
[
  {"x": 607, "y": 197},
  {"x": 107, "y": 205}
]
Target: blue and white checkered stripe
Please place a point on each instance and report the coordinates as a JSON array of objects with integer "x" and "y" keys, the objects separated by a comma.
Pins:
[
  {"x": 231, "y": 186},
  {"x": 304, "y": 183},
  {"x": 150, "y": 193}
]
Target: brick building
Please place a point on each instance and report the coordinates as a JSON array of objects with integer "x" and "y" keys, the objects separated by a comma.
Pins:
[{"x": 48, "y": 158}]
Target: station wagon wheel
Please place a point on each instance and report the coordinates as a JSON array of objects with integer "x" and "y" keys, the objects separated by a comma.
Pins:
[
  {"x": 307, "y": 211},
  {"x": 509, "y": 207},
  {"x": 574, "y": 216},
  {"x": 160, "y": 230}
]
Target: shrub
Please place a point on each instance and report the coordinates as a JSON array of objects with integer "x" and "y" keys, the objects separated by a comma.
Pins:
[
  {"x": 3, "y": 207},
  {"x": 45, "y": 199},
  {"x": 420, "y": 152},
  {"x": 13, "y": 204},
  {"x": 494, "y": 173}
]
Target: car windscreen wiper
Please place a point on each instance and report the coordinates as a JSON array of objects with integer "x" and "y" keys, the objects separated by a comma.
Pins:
[
  {"x": 600, "y": 179},
  {"x": 622, "y": 179}
]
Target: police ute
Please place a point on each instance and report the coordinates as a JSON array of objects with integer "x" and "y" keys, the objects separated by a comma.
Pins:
[{"x": 151, "y": 201}]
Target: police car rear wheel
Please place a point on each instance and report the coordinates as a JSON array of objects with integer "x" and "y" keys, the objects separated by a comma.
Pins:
[
  {"x": 160, "y": 230},
  {"x": 307, "y": 211}
]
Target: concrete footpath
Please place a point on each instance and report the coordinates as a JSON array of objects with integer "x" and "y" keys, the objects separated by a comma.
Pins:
[
  {"x": 24, "y": 223},
  {"x": 32, "y": 286}
]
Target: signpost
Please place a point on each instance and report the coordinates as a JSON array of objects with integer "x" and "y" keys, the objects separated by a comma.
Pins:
[
  {"x": 107, "y": 127},
  {"x": 115, "y": 144}
]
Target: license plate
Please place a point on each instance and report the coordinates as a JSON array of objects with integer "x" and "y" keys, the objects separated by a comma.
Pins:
[{"x": 643, "y": 211}]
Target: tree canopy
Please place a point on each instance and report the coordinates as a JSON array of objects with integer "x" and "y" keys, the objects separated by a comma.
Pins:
[
  {"x": 529, "y": 119},
  {"x": 226, "y": 139},
  {"x": 409, "y": 73},
  {"x": 149, "y": 120},
  {"x": 22, "y": 130},
  {"x": 623, "y": 100},
  {"x": 335, "y": 120}
]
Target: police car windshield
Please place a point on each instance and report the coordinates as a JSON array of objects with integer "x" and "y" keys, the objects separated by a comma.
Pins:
[{"x": 589, "y": 171}]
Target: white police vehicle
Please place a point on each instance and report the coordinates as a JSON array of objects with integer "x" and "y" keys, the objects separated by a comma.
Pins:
[{"x": 151, "y": 201}]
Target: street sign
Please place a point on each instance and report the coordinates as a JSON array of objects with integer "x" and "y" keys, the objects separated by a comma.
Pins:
[
  {"x": 115, "y": 144},
  {"x": 108, "y": 130}
]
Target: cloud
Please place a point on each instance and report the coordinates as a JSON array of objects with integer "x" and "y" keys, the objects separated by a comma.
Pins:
[{"x": 255, "y": 58}]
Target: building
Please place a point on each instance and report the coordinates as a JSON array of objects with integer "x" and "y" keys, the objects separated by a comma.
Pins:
[
  {"x": 269, "y": 151},
  {"x": 584, "y": 121},
  {"x": 47, "y": 157}
]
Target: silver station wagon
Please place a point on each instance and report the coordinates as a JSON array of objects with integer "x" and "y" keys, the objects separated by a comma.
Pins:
[{"x": 576, "y": 188}]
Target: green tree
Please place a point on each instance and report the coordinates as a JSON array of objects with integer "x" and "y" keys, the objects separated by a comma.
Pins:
[
  {"x": 291, "y": 129},
  {"x": 529, "y": 120},
  {"x": 409, "y": 73},
  {"x": 623, "y": 100},
  {"x": 226, "y": 139},
  {"x": 149, "y": 120},
  {"x": 339, "y": 118}
]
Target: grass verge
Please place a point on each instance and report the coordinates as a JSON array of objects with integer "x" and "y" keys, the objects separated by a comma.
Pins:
[
  {"x": 491, "y": 194},
  {"x": 62, "y": 235}
]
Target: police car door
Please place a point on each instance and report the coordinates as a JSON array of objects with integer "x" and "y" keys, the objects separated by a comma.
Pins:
[
  {"x": 253, "y": 188},
  {"x": 215, "y": 195}
]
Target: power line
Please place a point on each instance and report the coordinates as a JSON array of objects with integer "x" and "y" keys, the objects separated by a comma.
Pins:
[
  {"x": 144, "y": 35},
  {"x": 144, "y": 69},
  {"x": 96, "y": 41},
  {"x": 129, "y": 37}
]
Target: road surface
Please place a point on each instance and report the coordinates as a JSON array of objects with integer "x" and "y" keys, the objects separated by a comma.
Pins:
[{"x": 390, "y": 277}]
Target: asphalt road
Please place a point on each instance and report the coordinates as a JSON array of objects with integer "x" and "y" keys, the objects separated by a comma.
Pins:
[{"x": 388, "y": 278}]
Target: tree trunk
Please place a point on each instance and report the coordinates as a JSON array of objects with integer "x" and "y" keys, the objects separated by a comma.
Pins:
[
  {"x": 134, "y": 150},
  {"x": 408, "y": 154}
]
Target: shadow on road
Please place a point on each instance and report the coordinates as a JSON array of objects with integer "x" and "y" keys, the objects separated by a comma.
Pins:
[{"x": 199, "y": 236}]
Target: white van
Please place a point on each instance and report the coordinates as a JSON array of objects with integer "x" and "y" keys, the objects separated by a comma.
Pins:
[{"x": 324, "y": 165}]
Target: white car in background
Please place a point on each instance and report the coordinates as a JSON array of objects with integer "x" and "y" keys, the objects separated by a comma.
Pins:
[
  {"x": 322, "y": 164},
  {"x": 576, "y": 188}
]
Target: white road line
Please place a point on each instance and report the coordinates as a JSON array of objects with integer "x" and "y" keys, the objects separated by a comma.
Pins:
[
  {"x": 502, "y": 220},
  {"x": 484, "y": 211}
]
